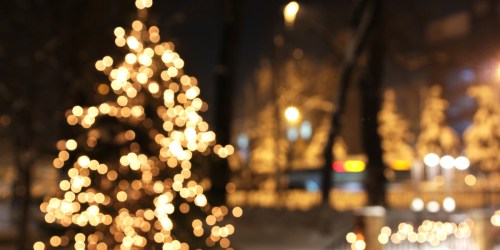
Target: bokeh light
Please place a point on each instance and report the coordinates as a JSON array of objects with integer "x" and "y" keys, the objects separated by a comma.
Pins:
[{"x": 431, "y": 160}]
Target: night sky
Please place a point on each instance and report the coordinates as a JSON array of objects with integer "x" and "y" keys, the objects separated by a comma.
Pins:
[{"x": 58, "y": 42}]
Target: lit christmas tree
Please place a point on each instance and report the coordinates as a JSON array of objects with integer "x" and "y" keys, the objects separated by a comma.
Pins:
[
  {"x": 435, "y": 136},
  {"x": 394, "y": 132},
  {"x": 131, "y": 177},
  {"x": 482, "y": 138}
]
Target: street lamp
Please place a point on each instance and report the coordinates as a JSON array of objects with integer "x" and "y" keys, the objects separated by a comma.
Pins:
[
  {"x": 290, "y": 12},
  {"x": 431, "y": 160},
  {"x": 292, "y": 116}
]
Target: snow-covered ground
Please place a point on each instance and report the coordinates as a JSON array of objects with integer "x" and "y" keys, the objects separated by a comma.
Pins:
[
  {"x": 321, "y": 229},
  {"x": 280, "y": 229}
]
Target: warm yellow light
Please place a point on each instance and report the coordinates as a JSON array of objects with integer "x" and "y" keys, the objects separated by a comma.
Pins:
[
  {"x": 121, "y": 196},
  {"x": 354, "y": 166},
  {"x": 237, "y": 212},
  {"x": 153, "y": 87},
  {"x": 495, "y": 219},
  {"x": 497, "y": 71},
  {"x": 38, "y": 245},
  {"x": 200, "y": 200},
  {"x": 470, "y": 180},
  {"x": 71, "y": 144},
  {"x": 383, "y": 239},
  {"x": 132, "y": 42},
  {"x": 77, "y": 110},
  {"x": 84, "y": 161},
  {"x": 58, "y": 163},
  {"x": 400, "y": 165},
  {"x": 359, "y": 245},
  {"x": 103, "y": 89},
  {"x": 290, "y": 12},
  {"x": 119, "y": 32},
  {"x": 292, "y": 114},
  {"x": 351, "y": 237},
  {"x": 55, "y": 241},
  {"x": 107, "y": 61}
]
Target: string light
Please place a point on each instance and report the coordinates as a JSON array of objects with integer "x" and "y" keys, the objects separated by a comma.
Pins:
[
  {"x": 432, "y": 232},
  {"x": 103, "y": 197}
]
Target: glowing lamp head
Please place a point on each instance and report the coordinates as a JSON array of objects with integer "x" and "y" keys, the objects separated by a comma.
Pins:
[
  {"x": 290, "y": 12},
  {"x": 292, "y": 114}
]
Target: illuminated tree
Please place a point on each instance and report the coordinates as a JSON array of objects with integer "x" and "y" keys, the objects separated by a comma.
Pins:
[
  {"x": 394, "y": 132},
  {"x": 482, "y": 138},
  {"x": 133, "y": 178},
  {"x": 435, "y": 136},
  {"x": 303, "y": 87},
  {"x": 263, "y": 154}
]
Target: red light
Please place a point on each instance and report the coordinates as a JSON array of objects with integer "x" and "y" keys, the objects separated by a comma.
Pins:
[{"x": 338, "y": 166}]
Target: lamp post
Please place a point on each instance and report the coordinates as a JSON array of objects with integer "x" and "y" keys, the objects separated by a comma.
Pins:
[
  {"x": 289, "y": 14},
  {"x": 292, "y": 118}
]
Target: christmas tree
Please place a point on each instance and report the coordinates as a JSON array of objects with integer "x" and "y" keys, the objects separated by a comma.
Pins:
[
  {"x": 394, "y": 132},
  {"x": 482, "y": 138},
  {"x": 132, "y": 180},
  {"x": 435, "y": 136}
]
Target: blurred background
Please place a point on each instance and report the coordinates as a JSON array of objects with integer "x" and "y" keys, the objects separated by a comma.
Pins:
[{"x": 353, "y": 124}]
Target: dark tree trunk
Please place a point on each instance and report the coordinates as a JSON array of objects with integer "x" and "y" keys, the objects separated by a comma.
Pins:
[
  {"x": 24, "y": 110},
  {"x": 22, "y": 192},
  {"x": 371, "y": 82},
  {"x": 219, "y": 171},
  {"x": 362, "y": 23}
]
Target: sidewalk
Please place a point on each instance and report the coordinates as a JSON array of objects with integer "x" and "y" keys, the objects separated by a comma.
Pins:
[{"x": 7, "y": 230}]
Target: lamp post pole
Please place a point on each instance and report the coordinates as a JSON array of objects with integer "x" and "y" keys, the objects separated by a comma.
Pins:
[{"x": 289, "y": 14}]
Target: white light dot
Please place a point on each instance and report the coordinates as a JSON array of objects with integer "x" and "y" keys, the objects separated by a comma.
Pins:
[
  {"x": 433, "y": 206},
  {"x": 462, "y": 163},
  {"x": 447, "y": 162},
  {"x": 417, "y": 204},
  {"x": 449, "y": 204},
  {"x": 431, "y": 160}
]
